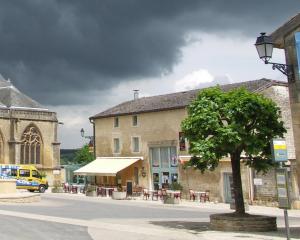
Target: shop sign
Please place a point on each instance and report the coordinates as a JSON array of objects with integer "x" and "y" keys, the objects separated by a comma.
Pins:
[
  {"x": 182, "y": 146},
  {"x": 257, "y": 181},
  {"x": 56, "y": 172},
  {"x": 279, "y": 150}
]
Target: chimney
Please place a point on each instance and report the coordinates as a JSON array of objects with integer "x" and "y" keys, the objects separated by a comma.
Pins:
[{"x": 135, "y": 94}]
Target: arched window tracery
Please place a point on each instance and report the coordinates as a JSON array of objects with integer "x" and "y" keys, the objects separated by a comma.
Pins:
[{"x": 31, "y": 146}]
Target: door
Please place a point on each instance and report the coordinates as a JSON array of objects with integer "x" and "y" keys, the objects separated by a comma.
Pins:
[
  {"x": 228, "y": 187},
  {"x": 156, "y": 182},
  {"x": 165, "y": 179}
]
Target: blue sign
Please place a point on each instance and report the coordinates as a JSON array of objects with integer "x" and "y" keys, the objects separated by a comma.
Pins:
[
  {"x": 279, "y": 150},
  {"x": 297, "y": 38}
]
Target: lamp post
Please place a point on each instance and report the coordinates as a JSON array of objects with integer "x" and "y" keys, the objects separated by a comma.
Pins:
[
  {"x": 264, "y": 47},
  {"x": 91, "y": 142}
]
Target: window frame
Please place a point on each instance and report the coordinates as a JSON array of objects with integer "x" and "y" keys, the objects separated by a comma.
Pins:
[
  {"x": 134, "y": 120},
  {"x": 31, "y": 147},
  {"x": 116, "y": 122},
  {"x": 133, "y": 144},
  {"x": 114, "y": 146}
]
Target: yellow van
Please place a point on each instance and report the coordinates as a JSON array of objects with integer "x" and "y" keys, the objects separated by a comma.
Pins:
[{"x": 28, "y": 177}]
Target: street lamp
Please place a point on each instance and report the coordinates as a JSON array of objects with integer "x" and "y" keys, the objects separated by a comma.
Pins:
[
  {"x": 82, "y": 134},
  {"x": 91, "y": 142},
  {"x": 264, "y": 47}
]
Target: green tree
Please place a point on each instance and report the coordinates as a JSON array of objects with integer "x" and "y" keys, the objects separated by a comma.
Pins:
[
  {"x": 83, "y": 155},
  {"x": 232, "y": 123}
]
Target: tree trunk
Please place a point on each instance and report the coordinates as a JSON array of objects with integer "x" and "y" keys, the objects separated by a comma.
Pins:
[{"x": 237, "y": 182}]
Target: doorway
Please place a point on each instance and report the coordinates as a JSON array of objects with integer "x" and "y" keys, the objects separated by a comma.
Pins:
[{"x": 228, "y": 187}]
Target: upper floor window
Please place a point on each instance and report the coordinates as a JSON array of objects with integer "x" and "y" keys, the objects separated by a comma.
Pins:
[
  {"x": 116, "y": 145},
  {"x": 116, "y": 122},
  {"x": 31, "y": 146},
  {"x": 163, "y": 157},
  {"x": 134, "y": 120},
  {"x": 135, "y": 144}
]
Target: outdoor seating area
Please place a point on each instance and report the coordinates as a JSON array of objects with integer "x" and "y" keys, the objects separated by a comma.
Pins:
[
  {"x": 201, "y": 196},
  {"x": 101, "y": 190},
  {"x": 161, "y": 194},
  {"x": 137, "y": 191}
]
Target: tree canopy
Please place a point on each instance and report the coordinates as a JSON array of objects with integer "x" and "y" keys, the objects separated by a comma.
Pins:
[
  {"x": 83, "y": 155},
  {"x": 234, "y": 123}
]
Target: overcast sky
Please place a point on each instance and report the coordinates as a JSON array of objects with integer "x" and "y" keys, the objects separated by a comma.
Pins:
[{"x": 80, "y": 57}]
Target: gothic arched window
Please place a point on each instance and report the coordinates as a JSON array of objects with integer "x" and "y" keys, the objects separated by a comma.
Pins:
[{"x": 31, "y": 146}]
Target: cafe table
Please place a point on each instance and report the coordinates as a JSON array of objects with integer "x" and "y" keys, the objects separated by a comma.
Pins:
[
  {"x": 198, "y": 194},
  {"x": 107, "y": 190}
]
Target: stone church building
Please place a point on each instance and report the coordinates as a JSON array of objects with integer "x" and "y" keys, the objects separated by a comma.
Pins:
[{"x": 28, "y": 131}]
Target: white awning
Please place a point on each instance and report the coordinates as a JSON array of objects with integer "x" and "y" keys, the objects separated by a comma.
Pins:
[{"x": 106, "y": 166}]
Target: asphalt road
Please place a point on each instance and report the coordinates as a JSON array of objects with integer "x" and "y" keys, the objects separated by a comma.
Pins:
[
  {"x": 88, "y": 209},
  {"x": 16, "y": 228},
  {"x": 67, "y": 216}
]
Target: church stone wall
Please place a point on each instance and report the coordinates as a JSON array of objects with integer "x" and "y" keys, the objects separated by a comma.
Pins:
[{"x": 13, "y": 124}]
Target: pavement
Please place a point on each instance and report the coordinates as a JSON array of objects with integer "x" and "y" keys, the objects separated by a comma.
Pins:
[{"x": 74, "y": 216}]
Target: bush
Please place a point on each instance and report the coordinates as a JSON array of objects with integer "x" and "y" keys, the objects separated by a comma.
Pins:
[
  {"x": 91, "y": 188},
  {"x": 176, "y": 186}
]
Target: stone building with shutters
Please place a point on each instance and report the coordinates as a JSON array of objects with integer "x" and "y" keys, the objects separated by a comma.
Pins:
[
  {"x": 149, "y": 127},
  {"x": 28, "y": 131}
]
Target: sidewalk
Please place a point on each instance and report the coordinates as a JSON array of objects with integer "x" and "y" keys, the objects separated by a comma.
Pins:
[
  {"x": 149, "y": 228},
  {"x": 253, "y": 209}
]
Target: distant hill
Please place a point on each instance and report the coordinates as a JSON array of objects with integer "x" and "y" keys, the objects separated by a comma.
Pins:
[{"x": 67, "y": 156}]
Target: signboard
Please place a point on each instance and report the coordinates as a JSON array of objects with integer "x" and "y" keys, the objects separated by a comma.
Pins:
[
  {"x": 174, "y": 161},
  {"x": 279, "y": 150},
  {"x": 56, "y": 172},
  {"x": 297, "y": 40},
  {"x": 282, "y": 188},
  {"x": 257, "y": 181},
  {"x": 182, "y": 146}
]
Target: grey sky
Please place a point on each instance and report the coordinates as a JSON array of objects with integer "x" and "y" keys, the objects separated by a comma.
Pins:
[{"x": 83, "y": 55}]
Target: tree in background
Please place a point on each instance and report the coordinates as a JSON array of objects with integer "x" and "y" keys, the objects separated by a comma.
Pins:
[
  {"x": 83, "y": 155},
  {"x": 232, "y": 123}
]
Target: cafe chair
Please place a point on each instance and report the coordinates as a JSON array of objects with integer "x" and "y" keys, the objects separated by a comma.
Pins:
[
  {"x": 205, "y": 196},
  {"x": 74, "y": 189},
  {"x": 192, "y": 195},
  {"x": 177, "y": 195},
  {"x": 157, "y": 194},
  {"x": 146, "y": 193}
]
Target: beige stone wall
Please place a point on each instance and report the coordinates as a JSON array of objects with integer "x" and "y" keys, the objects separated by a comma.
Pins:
[
  {"x": 294, "y": 90},
  {"x": 212, "y": 181},
  {"x": 154, "y": 129},
  {"x": 280, "y": 95},
  {"x": 5, "y": 136}
]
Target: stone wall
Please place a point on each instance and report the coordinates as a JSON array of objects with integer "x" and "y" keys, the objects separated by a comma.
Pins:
[
  {"x": 213, "y": 181},
  {"x": 153, "y": 129},
  {"x": 13, "y": 124}
]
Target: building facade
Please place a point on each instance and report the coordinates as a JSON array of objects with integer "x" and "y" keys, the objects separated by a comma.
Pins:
[
  {"x": 287, "y": 37},
  {"x": 28, "y": 132},
  {"x": 150, "y": 127}
]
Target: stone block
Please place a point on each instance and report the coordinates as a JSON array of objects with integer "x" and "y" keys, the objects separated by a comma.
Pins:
[{"x": 242, "y": 223}]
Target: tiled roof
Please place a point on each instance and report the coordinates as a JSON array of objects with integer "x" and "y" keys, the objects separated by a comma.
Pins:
[
  {"x": 11, "y": 97},
  {"x": 176, "y": 100}
]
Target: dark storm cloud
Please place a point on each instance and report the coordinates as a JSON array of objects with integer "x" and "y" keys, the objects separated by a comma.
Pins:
[{"x": 59, "y": 51}]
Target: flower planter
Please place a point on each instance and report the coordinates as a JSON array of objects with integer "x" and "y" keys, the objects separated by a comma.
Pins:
[
  {"x": 169, "y": 200},
  {"x": 119, "y": 195},
  {"x": 57, "y": 190},
  {"x": 91, "y": 194}
]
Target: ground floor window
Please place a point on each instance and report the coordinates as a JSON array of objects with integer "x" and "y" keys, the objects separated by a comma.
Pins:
[{"x": 164, "y": 168}]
